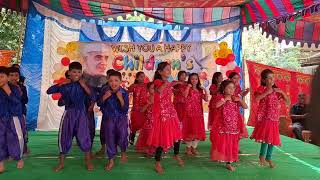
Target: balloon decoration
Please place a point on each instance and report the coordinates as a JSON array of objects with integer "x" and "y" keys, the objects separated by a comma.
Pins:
[
  {"x": 224, "y": 55},
  {"x": 226, "y": 59},
  {"x": 68, "y": 52},
  {"x": 56, "y": 96}
]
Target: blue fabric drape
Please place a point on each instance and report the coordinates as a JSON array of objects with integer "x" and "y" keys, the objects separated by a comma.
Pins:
[
  {"x": 170, "y": 38},
  {"x": 31, "y": 63},
  {"x": 136, "y": 37}
]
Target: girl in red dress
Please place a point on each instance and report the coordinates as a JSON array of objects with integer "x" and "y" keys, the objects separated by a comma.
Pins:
[
  {"x": 139, "y": 92},
  {"x": 165, "y": 131},
  {"x": 179, "y": 99},
  {"x": 235, "y": 78},
  {"x": 141, "y": 145},
  {"x": 193, "y": 129},
  {"x": 226, "y": 127},
  {"x": 266, "y": 129},
  {"x": 217, "y": 78}
]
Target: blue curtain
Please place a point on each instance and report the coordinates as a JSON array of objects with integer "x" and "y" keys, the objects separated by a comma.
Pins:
[{"x": 31, "y": 63}]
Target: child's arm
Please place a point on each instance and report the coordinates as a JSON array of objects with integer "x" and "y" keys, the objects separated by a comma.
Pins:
[
  {"x": 131, "y": 88},
  {"x": 260, "y": 96},
  {"x": 205, "y": 95},
  {"x": 186, "y": 92},
  {"x": 220, "y": 103},
  {"x": 174, "y": 83},
  {"x": 124, "y": 101},
  {"x": 13, "y": 95},
  {"x": 284, "y": 96},
  {"x": 241, "y": 102},
  {"x": 24, "y": 97},
  {"x": 245, "y": 92},
  {"x": 85, "y": 86},
  {"x": 54, "y": 89},
  {"x": 161, "y": 87}
]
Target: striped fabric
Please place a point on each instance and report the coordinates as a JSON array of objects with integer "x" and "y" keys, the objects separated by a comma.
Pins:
[
  {"x": 296, "y": 31},
  {"x": 85, "y": 9},
  {"x": 280, "y": 10}
]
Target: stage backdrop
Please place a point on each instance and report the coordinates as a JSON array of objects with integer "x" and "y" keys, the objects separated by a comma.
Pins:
[
  {"x": 53, "y": 40},
  {"x": 292, "y": 83},
  {"x": 128, "y": 58}
]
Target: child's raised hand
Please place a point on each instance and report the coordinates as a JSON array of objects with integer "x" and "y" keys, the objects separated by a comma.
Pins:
[
  {"x": 236, "y": 98},
  {"x": 119, "y": 95},
  {"x": 106, "y": 95},
  {"x": 227, "y": 98},
  {"x": 189, "y": 85},
  {"x": 278, "y": 90}
]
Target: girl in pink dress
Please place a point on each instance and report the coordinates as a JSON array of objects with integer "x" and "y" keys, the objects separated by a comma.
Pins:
[
  {"x": 141, "y": 145},
  {"x": 165, "y": 131},
  {"x": 235, "y": 78},
  {"x": 226, "y": 127},
  {"x": 193, "y": 129},
  {"x": 266, "y": 129},
  {"x": 179, "y": 98},
  {"x": 139, "y": 92},
  {"x": 217, "y": 78}
]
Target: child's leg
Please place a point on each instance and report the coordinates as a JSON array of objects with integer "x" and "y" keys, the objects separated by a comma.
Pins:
[
  {"x": 92, "y": 126},
  {"x": 25, "y": 134},
  {"x": 263, "y": 151},
  {"x": 194, "y": 147},
  {"x": 230, "y": 167},
  {"x": 110, "y": 136},
  {"x": 102, "y": 151},
  {"x": 3, "y": 144},
  {"x": 157, "y": 157},
  {"x": 84, "y": 139},
  {"x": 269, "y": 155},
  {"x": 122, "y": 137},
  {"x": 64, "y": 139},
  {"x": 188, "y": 147},
  {"x": 15, "y": 141},
  {"x": 176, "y": 149},
  {"x": 132, "y": 137}
]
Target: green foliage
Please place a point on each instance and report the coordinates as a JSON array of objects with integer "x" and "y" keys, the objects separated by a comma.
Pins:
[
  {"x": 258, "y": 48},
  {"x": 12, "y": 25}
]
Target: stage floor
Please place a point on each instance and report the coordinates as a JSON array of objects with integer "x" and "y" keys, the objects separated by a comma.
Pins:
[{"x": 294, "y": 160}]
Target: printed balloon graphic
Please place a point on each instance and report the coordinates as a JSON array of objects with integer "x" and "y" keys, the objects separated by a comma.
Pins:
[{"x": 223, "y": 55}]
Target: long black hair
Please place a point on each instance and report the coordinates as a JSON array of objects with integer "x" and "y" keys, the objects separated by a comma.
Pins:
[
  {"x": 223, "y": 85},
  {"x": 180, "y": 73},
  {"x": 160, "y": 67},
  {"x": 137, "y": 76},
  {"x": 198, "y": 84},
  {"x": 233, "y": 74},
  {"x": 264, "y": 75},
  {"x": 215, "y": 78}
]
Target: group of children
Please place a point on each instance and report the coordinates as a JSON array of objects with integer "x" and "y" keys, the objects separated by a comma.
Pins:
[
  {"x": 13, "y": 132},
  {"x": 162, "y": 122}
]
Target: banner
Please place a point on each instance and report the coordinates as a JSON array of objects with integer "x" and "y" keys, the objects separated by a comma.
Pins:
[
  {"x": 6, "y": 57},
  {"x": 292, "y": 83}
]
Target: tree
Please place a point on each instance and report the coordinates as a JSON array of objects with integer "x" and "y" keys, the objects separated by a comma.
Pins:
[
  {"x": 12, "y": 25},
  {"x": 258, "y": 48}
]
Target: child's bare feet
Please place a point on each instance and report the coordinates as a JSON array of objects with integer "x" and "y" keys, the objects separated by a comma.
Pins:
[
  {"x": 87, "y": 161},
  {"x": 271, "y": 164},
  {"x": 179, "y": 160},
  {"x": 20, "y": 164},
  {"x": 230, "y": 167},
  {"x": 123, "y": 157},
  {"x": 110, "y": 165},
  {"x": 188, "y": 151},
  {"x": 59, "y": 167},
  {"x": 61, "y": 164},
  {"x": 195, "y": 151},
  {"x": 102, "y": 151},
  {"x": 262, "y": 161},
  {"x": 158, "y": 168},
  {"x": 2, "y": 167}
]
